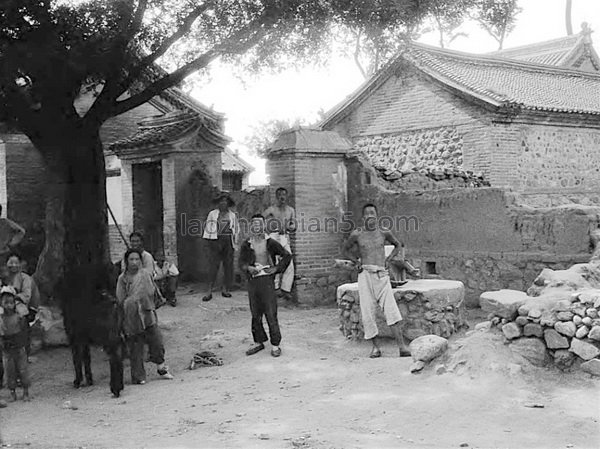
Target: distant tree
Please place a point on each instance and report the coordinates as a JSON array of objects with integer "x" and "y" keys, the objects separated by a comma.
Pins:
[
  {"x": 447, "y": 16},
  {"x": 497, "y": 17},
  {"x": 265, "y": 132}
]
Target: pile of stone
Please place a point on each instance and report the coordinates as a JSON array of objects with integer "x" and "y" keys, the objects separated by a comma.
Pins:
[
  {"x": 428, "y": 306},
  {"x": 563, "y": 327},
  {"x": 453, "y": 176}
]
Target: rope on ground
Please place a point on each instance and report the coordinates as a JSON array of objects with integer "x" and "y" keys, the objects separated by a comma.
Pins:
[{"x": 205, "y": 358}]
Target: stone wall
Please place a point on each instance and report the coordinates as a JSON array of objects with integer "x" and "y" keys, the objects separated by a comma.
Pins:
[
  {"x": 558, "y": 158},
  {"x": 439, "y": 147}
]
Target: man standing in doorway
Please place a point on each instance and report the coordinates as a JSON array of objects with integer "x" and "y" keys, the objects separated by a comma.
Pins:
[
  {"x": 374, "y": 286},
  {"x": 11, "y": 235},
  {"x": 281, "y": 222}
]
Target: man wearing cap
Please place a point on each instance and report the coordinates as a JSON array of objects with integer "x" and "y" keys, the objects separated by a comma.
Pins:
[{"x": 221, "y": 230}]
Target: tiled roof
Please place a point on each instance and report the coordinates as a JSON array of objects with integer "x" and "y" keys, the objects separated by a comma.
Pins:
[
  {"x": 510, "y": 83},
  {"x": 230, "y": 162},
  {"x": 160, "y": 130},
  {"x": 552, "y": 52},
  {"x": 503, "y": 83}
]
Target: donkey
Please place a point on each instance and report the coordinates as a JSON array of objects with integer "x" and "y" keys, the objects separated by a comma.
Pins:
[{"x": 96, "y": 321}]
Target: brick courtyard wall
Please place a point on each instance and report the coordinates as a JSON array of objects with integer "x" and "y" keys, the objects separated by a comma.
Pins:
[{"x": 479, "y": 236}]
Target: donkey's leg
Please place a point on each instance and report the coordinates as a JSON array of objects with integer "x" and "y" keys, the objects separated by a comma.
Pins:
[
  {"x": 115, "y": 353},
  {"x": 87, "y": 364},
  {"x": 76, "y": 350}
]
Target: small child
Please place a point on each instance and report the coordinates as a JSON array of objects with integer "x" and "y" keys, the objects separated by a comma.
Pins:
[{"x": 13, "y": 336}]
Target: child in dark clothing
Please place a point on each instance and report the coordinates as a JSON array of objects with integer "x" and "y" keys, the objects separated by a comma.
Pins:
[{"x": 13, "y": 337}]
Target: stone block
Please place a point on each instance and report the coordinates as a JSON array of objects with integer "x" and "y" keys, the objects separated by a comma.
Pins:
[
  {"x": 521, "y": 320},
  {"x": 563, "y": 358},
  {"x": 532, "y": 349},
  {"x": 564, "y": 316},
  {"x": 554, "y": 340},
  {"x": 585, "y": 350},
  {"x": 548, "y": 319},
  {"x": 511, "y": 330},
  {"x": 503, "y": 303},
  {"x": 567, "y": 328},
  {"x": 427, "y": 347},
  {"x": 533, "y": 330},
  {"x": 440, "y": 293},
  {"x": 594, "y": 333},
  {"x": 592, "y": 367},
  {"x": 582, "y": 332}
]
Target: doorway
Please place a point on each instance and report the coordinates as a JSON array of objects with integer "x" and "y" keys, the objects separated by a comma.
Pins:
[{"x": 148, "y": 205}]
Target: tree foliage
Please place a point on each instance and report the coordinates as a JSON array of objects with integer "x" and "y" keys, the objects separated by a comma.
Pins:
[{"x": 497, "y": 17}]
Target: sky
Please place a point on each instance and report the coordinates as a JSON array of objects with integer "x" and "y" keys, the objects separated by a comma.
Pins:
[{"x": 303, "y": 93}]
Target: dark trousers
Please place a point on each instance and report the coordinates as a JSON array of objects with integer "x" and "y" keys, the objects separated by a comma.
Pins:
[
  {"x": 221, "y": 251},
  {"x": 263, "y": 301},
  {"x": 16, "y": 367},
  {"x": 156, "y": 350},
  {"x": 168, "y": 287}
]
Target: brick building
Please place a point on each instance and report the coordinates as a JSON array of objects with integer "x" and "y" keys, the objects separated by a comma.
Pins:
[
  {"x": 529, "y": 127},
  {"x": 528, "y": 119}
]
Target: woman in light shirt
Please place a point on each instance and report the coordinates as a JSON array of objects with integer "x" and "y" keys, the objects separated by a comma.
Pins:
[{"x": 221, "y": 230}]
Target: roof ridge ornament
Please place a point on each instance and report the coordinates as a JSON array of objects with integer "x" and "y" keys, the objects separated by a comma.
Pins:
[{"x": 586, "y": 33}]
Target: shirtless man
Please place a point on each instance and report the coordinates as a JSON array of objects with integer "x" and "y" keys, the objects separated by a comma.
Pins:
[
  {"x": 281, "y": 221},
  {"x": 374, "y": 287},
  {"x": 257, "y": 259}
]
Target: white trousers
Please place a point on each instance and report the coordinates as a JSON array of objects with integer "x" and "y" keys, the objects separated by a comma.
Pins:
[{"x": 285, "y": 281}]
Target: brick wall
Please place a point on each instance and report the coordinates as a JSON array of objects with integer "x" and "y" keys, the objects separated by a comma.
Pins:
[
  {"x": 25, "y": 191},
  {"x": 314, "y": 182}
]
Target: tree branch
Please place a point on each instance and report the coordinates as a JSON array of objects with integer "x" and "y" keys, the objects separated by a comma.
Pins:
[
  {"x": 357, "y": 54},
  {"x": 235, "y": 44}
]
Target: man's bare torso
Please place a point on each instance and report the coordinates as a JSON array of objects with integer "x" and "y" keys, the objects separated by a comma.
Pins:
[
  {"x": 282, "y": 215},
  {"x": 371, "y": 246},
  {"x": 260, "y": 250}
]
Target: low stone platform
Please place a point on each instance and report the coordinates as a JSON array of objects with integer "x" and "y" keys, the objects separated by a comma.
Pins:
[{"x": 428, "y": 306}]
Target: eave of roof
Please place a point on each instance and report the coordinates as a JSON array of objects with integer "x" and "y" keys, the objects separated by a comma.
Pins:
[
  {"x": 422, "y": 57},
  {"x": 232, "y": 163}
]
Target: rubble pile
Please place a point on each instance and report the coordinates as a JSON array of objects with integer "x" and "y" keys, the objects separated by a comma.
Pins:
[
  {"x": 556, "y": 321},
  {"x": 432, "y": 177},
  {"x": 428, "y": 306}
]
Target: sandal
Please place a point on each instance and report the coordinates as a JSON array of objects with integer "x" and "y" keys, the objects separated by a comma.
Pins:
[
  {"x": 226, "y": 294},
  {"x": 207, "y": 298},
  {"x": 375, "y": 353},
  {"x": 254, "y": 349}
]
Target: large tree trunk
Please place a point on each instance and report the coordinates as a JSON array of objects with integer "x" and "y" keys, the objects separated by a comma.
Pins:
[{"x": 76, "y": 248}]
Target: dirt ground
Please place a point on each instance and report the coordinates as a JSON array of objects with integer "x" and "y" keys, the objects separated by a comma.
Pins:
[{"x": 323, "y": 392}]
